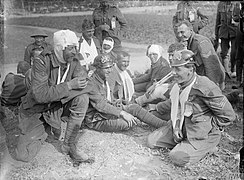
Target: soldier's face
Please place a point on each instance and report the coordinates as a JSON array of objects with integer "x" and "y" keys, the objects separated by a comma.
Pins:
[
  {"x": 171, "y": 54},
  {"x": 106, "y": 48},
  {"x": 182, "y": 74},
  {"x": 153, "y": 57},
  {"x": 69, "y": 53},
  {"x": 123, "y": 63},
  {"x": 104, "y": 72},
  {"x": 39, "y": 40},
  {"x": 183, "y": 33},
  {"x": 88, "y": 33},
  {"x": 104, "y": 3}
]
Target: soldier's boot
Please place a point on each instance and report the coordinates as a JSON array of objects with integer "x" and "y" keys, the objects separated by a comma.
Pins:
[
  {"x": 69, "y": 145},
  {"x": 145, "y": 116}
]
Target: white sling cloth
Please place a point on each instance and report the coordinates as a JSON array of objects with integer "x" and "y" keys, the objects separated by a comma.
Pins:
[
  {"x": 108, "y": 92},
  {"x": 178, "y": 101},
  {"x": 128, "y": 85},
  {"x": 59, "y": 80}
]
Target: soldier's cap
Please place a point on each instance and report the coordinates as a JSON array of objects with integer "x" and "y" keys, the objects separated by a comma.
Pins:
[
  {"x": 39, "y": 33},
  {"x": 103, "y": 61},
  {"x": 182, "y": 57}
]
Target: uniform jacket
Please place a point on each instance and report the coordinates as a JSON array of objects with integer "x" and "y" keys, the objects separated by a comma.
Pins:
[
  {"x": 116, "y": 84},
  {"x": 13, "y": 88},
  {"x": 209, "y": 108},
  {"x": 183, "y": 11},
  {"x": 106, "y": 16},
  {"x": 157, "y": 71},
  {"x": 30, "y": 47},
  {"x": 207, "y": 61},
  {"x": 98, "y": 103},
  {"x": 227, "y": 12},
  {"x": 44, "y": 96}
]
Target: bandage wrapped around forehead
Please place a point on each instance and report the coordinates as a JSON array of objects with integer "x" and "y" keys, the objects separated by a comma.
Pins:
[
  {"x": 154, "y": 49},
  {"x": 108, "y": 41},
  {"x": 62, "y": 39}
]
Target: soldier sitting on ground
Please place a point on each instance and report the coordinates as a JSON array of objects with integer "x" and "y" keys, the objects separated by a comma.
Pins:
[
  {"x": 120, "y": 78},
  {"x": 98, "y": 110}
]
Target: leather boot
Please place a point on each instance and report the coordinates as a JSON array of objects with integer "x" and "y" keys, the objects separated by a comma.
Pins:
[
  {"x": 145, "y": 116},
  {"x": 69, "y": 145}
]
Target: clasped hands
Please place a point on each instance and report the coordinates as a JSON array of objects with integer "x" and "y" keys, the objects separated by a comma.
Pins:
[{"x": 77, "y": 83}]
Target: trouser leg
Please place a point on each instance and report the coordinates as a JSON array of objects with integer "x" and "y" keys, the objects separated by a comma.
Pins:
[
  {"x": 31, "y": 138},
  {"x": 239, "y": 64},
  {"x": 233, "y": 55},
  {"x": 224, "y": 54},
  {"x": 145, "y": 116},
  {"x": 185, "y": 153},
  {"x": 110, "y": 125},
  {"x": 77, "y": 107},
  {"x": 162, "y": 137}
]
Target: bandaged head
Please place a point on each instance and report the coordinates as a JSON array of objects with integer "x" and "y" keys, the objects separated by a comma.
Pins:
[
  {"x": 154, "y": 49},
  {"x": 108, "y": 45},
  {"x": 62, "y": 39}
]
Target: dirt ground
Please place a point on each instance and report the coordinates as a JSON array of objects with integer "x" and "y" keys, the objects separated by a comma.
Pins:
[{"x": 119, "y": 156}]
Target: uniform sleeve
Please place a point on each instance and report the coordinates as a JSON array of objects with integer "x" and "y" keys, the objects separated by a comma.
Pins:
[
  {"x": 122, "y": 21},
  {"x": 143, "y": 78},
  {"x": 219, "y": 105},
  {"x": 100, "y": 103},
  {"x": 164, "y": 107},
  {"x": 27, "y": 55},
  {"x": 42, "y": 91},
  {"x": 205, "y": 50}
]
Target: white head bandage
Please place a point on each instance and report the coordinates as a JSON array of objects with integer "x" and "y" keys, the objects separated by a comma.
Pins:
[
  {"x": 108, "y": 41},
  {"x": 157, "y": 49},
  {"x": 61, "y": 39}
]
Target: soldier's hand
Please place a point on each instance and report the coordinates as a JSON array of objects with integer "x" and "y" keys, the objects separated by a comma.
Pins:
[
  {"x": 178, "y": 136},
  {"x": 104, "y": 27},
  {"x": 130, "y": 119},
  {"x": 77, "y": 83}
]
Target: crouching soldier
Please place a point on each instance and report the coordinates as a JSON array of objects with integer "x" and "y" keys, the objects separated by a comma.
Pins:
[
  {"x": 198, "y": 111},
  {"x": 54, "y": 75}
]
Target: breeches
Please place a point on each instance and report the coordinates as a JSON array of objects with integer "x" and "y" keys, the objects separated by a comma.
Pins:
[{"x": 183, "y": 153}]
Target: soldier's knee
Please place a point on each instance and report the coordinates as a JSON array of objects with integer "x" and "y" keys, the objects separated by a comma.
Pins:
[
  {"x": 29, "y": 145},
  {"x": 179, "y": 158},
  {"x": 151, "y": 141},
  {"x": 82, "y": 99}
]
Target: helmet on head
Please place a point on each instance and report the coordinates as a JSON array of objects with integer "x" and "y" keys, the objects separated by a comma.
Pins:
[
  {"x": 103, "y": 61},
  {"x": 183, "y": 57},
  {"x": 39, "y": 33}
]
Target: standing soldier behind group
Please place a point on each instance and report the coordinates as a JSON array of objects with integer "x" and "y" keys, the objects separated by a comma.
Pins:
[
  {"x": 109, "y": 21},
  {"x": 225, "y": 29},
  {"x": 185, "y": 11},
  {"x": 39, "y": 42}
]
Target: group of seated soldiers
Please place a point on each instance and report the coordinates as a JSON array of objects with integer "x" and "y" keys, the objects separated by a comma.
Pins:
[{"x": 87, "y": 84}]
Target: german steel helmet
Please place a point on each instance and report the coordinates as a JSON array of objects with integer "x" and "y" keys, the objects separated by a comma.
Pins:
[
  {"x": 182, "y": 57},
  {"x": 103, "y": 61},
  {"x": 39, "y": 33}
]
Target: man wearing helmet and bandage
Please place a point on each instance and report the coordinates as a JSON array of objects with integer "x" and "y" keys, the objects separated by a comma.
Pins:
[
  {"x": 54, "y": 75},
  {"x": 198, "y": 110}
]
